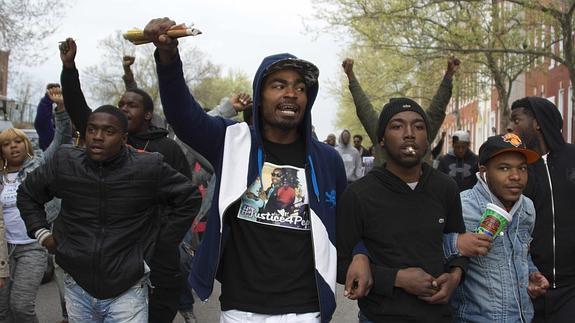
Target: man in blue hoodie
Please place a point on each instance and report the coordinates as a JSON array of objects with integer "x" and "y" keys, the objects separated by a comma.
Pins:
[{"x": 277, "y": 264}]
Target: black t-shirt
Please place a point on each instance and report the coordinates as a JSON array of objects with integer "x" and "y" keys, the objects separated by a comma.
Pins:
[{"x": 268, "y": 264}]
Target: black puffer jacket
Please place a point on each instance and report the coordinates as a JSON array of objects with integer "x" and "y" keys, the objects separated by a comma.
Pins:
[{"x": 109, "y": 219}]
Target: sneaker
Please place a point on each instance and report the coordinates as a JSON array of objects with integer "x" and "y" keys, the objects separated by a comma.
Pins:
[{"x": 188, "y": 316}]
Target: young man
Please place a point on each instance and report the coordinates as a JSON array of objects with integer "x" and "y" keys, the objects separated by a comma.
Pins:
[
  {"x": 498, "y": 286},
  {"x": 350, "y": 156},
  {"x": 272, "y": 265},
  {"x": 460, "y": 163},
  {"x": 401, "y": 211},
  {"x": 138, "y": 107},
  {"x": 357, "y": 140},
  {"x": 551, "y": 186},
  {"x": 330, "y": 140},
  {"x": 368, "y": 115},
  {"x": 113, "y": 204}
]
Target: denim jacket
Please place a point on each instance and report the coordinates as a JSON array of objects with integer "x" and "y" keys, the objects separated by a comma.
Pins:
[{"x": 495, "y": 286}]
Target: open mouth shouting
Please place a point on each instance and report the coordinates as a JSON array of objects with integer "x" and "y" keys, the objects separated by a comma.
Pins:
[{"x": 289, "y": 110}]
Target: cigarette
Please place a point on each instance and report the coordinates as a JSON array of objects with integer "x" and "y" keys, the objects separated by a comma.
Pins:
[{"x": 137, "y": 37}]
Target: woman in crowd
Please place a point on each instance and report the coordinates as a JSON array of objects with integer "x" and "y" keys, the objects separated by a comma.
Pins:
[{"x": 27, "y": 259}]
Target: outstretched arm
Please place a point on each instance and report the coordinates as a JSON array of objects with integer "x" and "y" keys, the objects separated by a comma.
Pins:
[
  {"x": 436, "y": 111},
  {"x": 63, "y": 134},
  {"x": 76, "y": 104},
  {"x": 363, "y": 107},
  {"x": 191, "y": 124},
  {"x": 128, "y": 76}
]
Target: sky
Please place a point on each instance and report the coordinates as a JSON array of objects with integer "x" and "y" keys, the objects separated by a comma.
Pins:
[{"x": 236, "y": 34}]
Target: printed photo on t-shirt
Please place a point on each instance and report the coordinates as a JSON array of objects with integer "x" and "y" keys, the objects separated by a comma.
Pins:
[{"x": 278, "y": 198}]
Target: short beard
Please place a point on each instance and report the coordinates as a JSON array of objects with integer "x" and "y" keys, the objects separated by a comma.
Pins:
[
  {"x": 285, "y": 125},
  {"x": 532, "y": 142}
]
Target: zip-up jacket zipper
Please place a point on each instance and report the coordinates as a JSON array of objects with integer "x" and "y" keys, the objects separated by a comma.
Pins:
[
  {"x": 552, "y": 216},
  {"x": 102, "y": 231}
]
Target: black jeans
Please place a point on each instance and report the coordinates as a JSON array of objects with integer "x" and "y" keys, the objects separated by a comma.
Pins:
[
  {"x": 557, "y": 305},
  {"x": 164, "y": 303}
]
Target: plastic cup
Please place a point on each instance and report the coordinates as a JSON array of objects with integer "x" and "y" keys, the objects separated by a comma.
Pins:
[{"x": 493, "y": 221}]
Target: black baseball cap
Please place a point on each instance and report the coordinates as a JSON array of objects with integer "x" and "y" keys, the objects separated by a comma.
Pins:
[{"x": 508, "y": 142}]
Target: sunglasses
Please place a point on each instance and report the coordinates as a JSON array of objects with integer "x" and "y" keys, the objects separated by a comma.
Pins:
[{"x": 276, "y": 175}]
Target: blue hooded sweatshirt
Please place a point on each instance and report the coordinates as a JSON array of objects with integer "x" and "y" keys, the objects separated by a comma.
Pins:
[{"x": 236, "y": 152}]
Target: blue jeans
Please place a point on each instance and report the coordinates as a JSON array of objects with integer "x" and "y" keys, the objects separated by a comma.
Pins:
[{"x": 131, "y": 306}]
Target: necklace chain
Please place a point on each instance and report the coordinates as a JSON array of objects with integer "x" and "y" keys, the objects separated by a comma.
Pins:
[{"x": 8, "y": 180}]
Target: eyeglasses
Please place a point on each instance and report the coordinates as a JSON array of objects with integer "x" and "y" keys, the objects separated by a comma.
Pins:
[{"x": 276, "y": 175}]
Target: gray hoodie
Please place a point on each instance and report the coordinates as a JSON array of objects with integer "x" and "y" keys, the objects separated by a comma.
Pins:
[{"x": 351, "y": 159}]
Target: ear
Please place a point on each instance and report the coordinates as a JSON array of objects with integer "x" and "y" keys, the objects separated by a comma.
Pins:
[
  {"x": 148, "y": 116},
  {"x": 382, "y": 142},
  {"x": 536, "y": 125},
  {"x": 125, "y": 138},
  {"x": 482, "y": 171}
]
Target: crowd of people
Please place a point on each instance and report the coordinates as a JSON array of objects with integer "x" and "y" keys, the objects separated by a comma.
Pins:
[{"x": 135, "y": 220}]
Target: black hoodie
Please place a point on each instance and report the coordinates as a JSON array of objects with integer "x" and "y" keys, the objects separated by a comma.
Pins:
[
  {"x": 401, "y": 228},
  {"x": 156, "y": 140},
  {"x": 554, "y": 206},
  {"x": 462, "y": 170}
]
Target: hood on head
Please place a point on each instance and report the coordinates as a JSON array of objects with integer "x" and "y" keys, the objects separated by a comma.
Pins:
[
  {"x": 340, "y": 139},
  {"x": 279, "y": 62},
  {"x": 548, "y": 118}
]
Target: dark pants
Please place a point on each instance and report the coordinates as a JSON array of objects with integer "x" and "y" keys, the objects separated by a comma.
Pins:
[
  {"x": 186, "y": 261},
  {"x": 557, "y": 305},
  {"x": 163, "y": 304},
  {"x": 362, "y": 318}
]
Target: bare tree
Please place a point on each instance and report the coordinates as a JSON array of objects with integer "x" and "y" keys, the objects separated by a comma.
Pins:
[
  {"x": 25, "y": 23},
  {"x": 105, "y": 85}
]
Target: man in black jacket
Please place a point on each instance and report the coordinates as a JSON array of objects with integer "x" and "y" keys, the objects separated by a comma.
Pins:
[
  {"x": 461, "y": 163},
  {"x": 551, "y": 186},
  {"x": 114, "y": 200},
  {"x": 138, "y": 107},
  {"x": 400, "y": 211}
]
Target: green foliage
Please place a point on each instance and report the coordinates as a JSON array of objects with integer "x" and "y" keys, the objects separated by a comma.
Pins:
[
  {"x": 411, "y": 37},
  {"x": 383, "y": 74},
  {"x": 210, "y": 90}
]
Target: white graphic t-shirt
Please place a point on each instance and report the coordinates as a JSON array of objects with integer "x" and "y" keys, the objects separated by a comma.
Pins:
[
  {"x": 15, "y": 227},
  {"x": 279, "y": 198}
]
